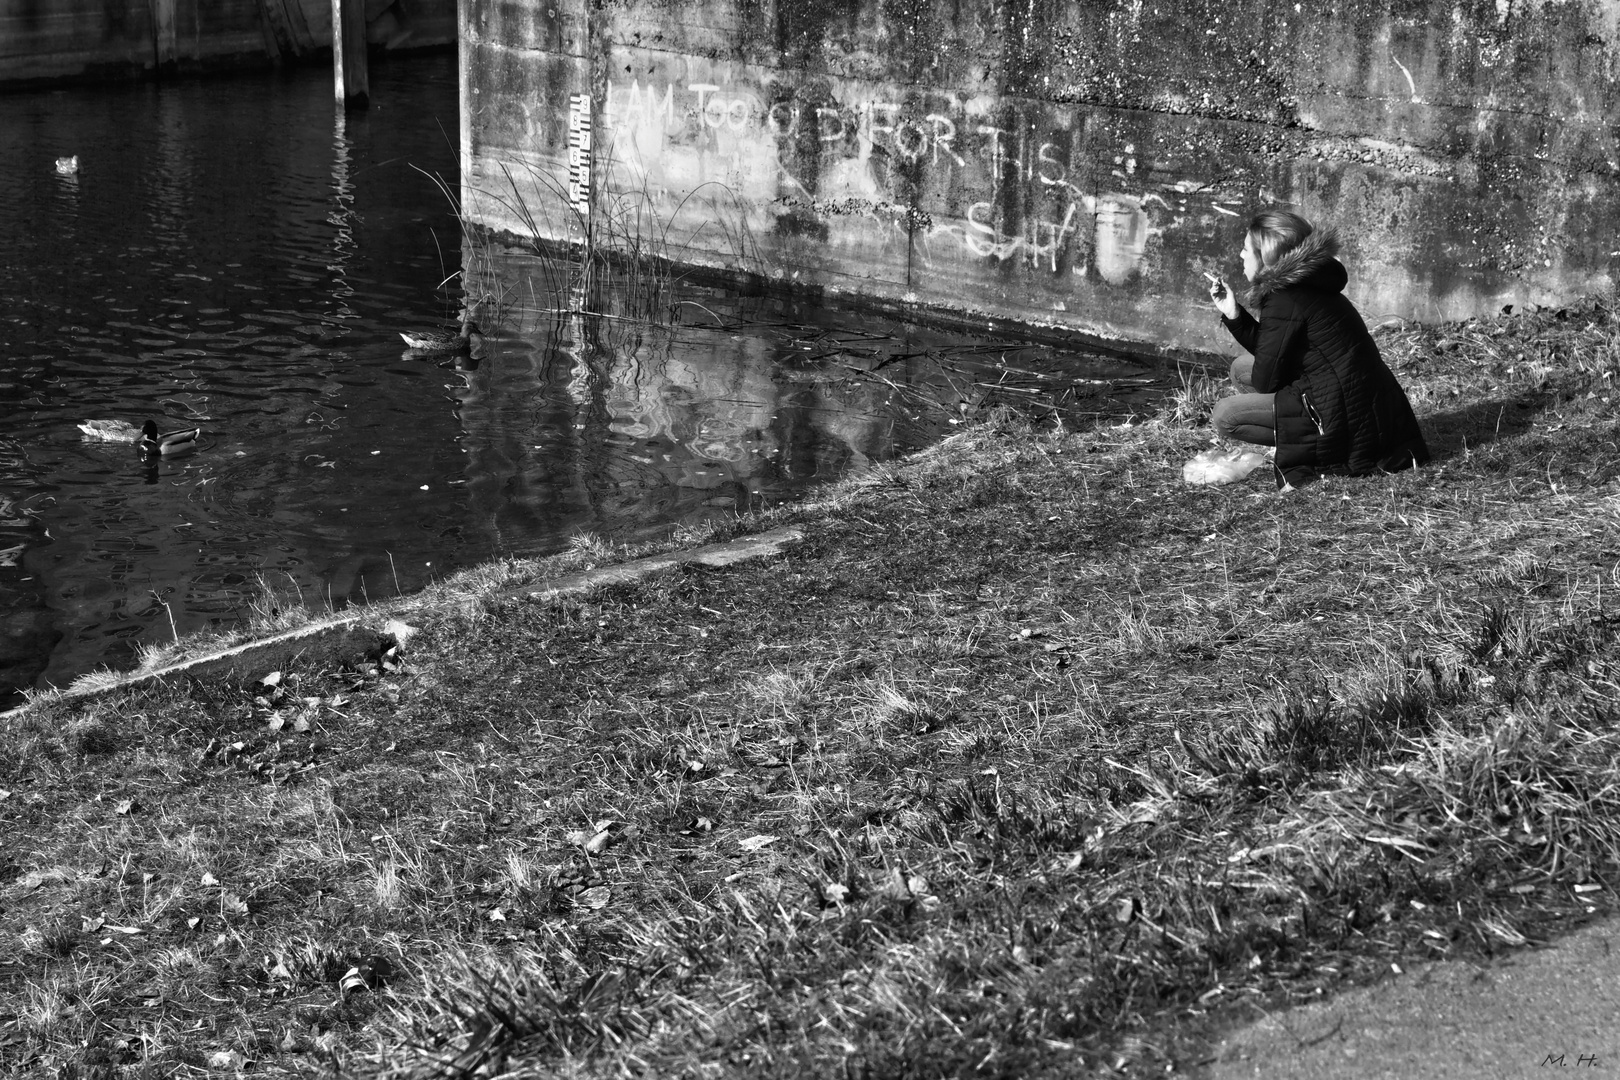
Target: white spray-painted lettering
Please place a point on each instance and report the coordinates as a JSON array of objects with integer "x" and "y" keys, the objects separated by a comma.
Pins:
[
  {"x": 727, "y": 118},
  {"x": 630, "y": 104},
  {"x": 1042, "y": 239}
]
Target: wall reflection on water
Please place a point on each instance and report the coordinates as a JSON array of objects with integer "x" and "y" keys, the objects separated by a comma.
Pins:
[{"x": 625, "y": 427}]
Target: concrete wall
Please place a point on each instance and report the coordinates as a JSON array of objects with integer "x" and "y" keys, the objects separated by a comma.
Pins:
[
  {"x": 47, "y": 41},
  {"x": 1068, "y": 163}
]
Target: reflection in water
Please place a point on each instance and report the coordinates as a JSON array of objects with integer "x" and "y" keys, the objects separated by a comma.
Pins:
[
  {"x": 622, "y": 426},
  {"x": 28, "y": 632},
  {"x": 237, "y": 255},
  {"x": 342, "y": 216}
]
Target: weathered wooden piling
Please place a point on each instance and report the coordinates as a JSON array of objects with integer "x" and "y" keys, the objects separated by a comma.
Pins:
[
  {"x": 164, "y": 51},
  {"x": 350, "y": 79}
]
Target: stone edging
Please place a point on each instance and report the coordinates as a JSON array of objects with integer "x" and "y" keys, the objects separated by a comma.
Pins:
[{"x": 351, "y": 637}]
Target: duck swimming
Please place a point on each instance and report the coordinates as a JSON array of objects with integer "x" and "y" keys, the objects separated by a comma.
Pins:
[
  {"x": 442, "y": 341},
  {"x": 67, "y": 166},
  {"x": 154, "y": 444},
  {"x": 110, "y": 430}
]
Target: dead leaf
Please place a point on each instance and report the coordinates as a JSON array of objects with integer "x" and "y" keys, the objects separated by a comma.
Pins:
[
  {"x": 894, "y": 885},
  {"x": 496, "y": 915},
  {"x": 400, "y": 631},
  {"x": 601, "y": 835},
  {"x": 209, "y": 879},
  {"x": 594, "y": 898},
  {"x": 127, "y": 806},
  {"x": 754, "y": 843},
  {"x": 227, "y": 1059},
  {"x": 89, "y": 925},
  {"x": 835, "y": 892},
  {"x": 231, "y": 904},
  {"x": 376, "y": 970},
  {"x": 272, "y": 679}
]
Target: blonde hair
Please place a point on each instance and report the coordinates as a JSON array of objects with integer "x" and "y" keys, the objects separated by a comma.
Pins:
[{"x": 1274, "y": 233}]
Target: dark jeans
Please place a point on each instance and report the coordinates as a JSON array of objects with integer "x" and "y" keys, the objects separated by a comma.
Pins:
[{"x": 1246, "y": 416}]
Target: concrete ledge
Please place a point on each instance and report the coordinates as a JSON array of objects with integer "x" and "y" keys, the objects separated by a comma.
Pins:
[{"x": 348, "y": 638}]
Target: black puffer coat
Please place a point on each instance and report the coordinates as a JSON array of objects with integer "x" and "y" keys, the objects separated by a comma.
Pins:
[{"x": 1339, "y": 408}]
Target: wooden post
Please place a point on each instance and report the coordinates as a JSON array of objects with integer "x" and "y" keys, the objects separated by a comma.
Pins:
[
  {"x": 349, "y": 76},
  {"x": 163, "y": 36}
]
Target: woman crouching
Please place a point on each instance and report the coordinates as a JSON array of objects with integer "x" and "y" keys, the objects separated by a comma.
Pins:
[{"x": 1314, "y": 386}]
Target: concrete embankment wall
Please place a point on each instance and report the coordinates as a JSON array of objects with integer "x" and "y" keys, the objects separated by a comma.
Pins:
[
  {"x": 47, "y": 41},
  {"x": 1074, "y": 164}
]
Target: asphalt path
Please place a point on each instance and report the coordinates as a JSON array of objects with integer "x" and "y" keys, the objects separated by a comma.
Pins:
[{"x": 1539, "y": 1012}]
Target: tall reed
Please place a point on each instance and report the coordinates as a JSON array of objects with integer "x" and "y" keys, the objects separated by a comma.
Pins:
[{"x": 618, "y": 260}]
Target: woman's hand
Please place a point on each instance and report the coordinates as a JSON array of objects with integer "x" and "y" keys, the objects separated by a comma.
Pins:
[{"x": 1221, "y": 295}]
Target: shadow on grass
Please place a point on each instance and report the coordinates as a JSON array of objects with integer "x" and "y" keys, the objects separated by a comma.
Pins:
[{"x": 1450, "y": 433}]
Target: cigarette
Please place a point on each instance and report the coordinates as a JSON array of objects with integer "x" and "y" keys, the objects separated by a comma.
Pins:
[{"x": 1212, "y": 277}]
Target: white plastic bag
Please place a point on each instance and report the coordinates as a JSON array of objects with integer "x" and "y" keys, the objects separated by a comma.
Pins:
[{"x": 1222, "y": 465}]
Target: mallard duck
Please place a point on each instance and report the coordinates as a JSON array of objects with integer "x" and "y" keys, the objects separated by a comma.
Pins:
[
  {"x": 67, "y": 166},
  {"x": 153, "y": 444},
  {"x": 442, "y": 341}
]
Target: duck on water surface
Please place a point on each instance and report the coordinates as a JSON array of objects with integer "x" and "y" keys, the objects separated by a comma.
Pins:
[
  {"x": 148, "y": 439},
  {"x": 153, "y": 443},
  {"x": 443, "y": 341}
]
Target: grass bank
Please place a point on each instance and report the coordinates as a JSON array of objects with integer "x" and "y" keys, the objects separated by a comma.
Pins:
[{"x": 1030, "y": 760}]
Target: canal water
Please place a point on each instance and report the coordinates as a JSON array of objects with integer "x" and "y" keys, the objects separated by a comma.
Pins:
[{"x": 232, "y": 255}]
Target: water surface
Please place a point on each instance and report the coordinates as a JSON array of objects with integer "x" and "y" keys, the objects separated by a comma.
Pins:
[{"x": 234, "y": 255}]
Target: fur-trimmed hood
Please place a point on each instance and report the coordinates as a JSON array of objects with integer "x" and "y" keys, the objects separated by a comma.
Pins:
[{"x": 1313, "y": 260}]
